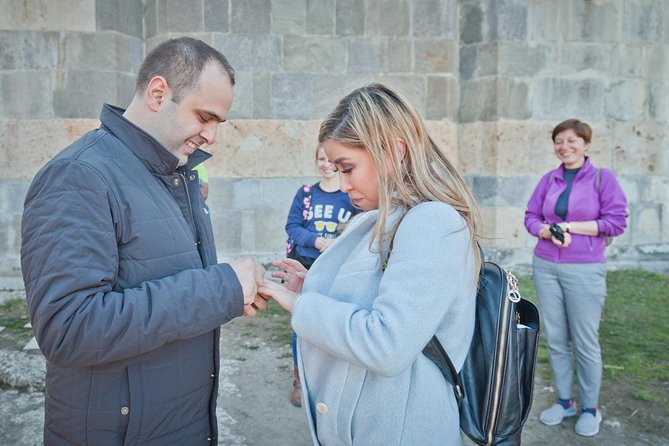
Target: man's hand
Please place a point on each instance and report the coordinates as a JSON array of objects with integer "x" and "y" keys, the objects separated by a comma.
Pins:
[{"x": 251, "y": 274}]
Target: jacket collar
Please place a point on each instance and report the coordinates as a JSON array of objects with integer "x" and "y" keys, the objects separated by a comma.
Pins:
[
  {"x": 153, "y": 154},
  {"x": 586, "y": 167}
]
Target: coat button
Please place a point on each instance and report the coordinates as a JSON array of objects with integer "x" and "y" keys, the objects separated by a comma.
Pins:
[
  {"x": 125, "y": 410},
  {"x": 191, "y": 177},
  {"x": 322, "y": 408},
  {"x": 176, "y": 182}
]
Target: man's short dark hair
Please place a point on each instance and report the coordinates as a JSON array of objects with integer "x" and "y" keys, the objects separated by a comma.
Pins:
[{"x": 180, "y": 62}]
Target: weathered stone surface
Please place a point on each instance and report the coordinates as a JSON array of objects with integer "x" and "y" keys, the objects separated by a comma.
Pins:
[
  {"x": 503, "y": 226},
  {"x": 550, "y": 21},
  {"x": 594, "y": 21},
  {"x": 26, "y": 50},
  {"x": 442, "y": 97},
  {"x": 658, "y": 100},
  {"x": 178, "y": 16},
  {"x": 365, "y": 55},
  {"x": 513, "y": 99},
  {"x": 250, "y": 16},
  {"x": 478, "y": 100},
  {"x": 626, "y": 61},
  {"x": 329, "y": 89},
  {"x": 23, "y": 15},
  {"x": 21, "y": 98},
  {"x": 82, "y": 93},
  {"x": 216, "y": 16},
  {"x": 398, "y": 55},
  {"x": 478, "y": 61},
  {"x": 434, "y": 56},
  {"x": 261, "y": 96},
  {"x": 101, "y": 51},
  {"x": 349, "y": 18},
  {"x": 471, "y": 22},
  {"x": 27, "y": 144},
  {"x": 243, "y": 103},
  {"x": 320, "y": 16},
  {"x": 436, "y": 18},
  {"x": 70, "y": 15},
  {"x": 644, "y": 20},
  {"x": 19, "y": 369},
  {"x": 640, "y": 148},
  {"x": 520, "y": 59},
  {"x": 647, "y": 226},
  {"x": 626, "y": 99},
  {"x": 555, "y": 98},
  {"x": 292, "y": 96},
  {"x": 508, "y": 19},
  {"x": 379, "y": 20},
  {"x": 289, "y": 17},
  {"x": 315, "y": 54},
  {"x": 270, "y": 234},
  {"x": 250, "y": 53},
  {"x": 124, "y": 16}
]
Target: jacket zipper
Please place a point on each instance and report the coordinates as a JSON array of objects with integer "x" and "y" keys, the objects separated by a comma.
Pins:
[
  {"x": 512, "y": 295},
  {"x": 190, "y": 208}
]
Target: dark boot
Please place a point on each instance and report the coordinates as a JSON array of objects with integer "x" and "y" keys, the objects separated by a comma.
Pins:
[{"x": 296, "y": 396}]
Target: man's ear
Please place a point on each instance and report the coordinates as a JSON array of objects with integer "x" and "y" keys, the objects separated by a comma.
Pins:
[{"x": 157, "y": 92}]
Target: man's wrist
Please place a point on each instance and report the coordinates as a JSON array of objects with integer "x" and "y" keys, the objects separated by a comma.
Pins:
[{"x": 567, "y": 226}]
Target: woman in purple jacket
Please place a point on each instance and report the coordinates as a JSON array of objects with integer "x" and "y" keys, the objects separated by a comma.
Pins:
[{"x": 588, "y": 204}]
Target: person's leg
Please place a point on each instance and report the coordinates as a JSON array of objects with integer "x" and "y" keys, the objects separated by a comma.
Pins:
[
  {"x": 555, "y": 324},
  {"x": 585, "y": 293}
]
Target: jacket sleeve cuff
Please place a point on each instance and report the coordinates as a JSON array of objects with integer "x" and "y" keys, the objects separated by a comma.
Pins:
[{"x": 234, "y": 287}]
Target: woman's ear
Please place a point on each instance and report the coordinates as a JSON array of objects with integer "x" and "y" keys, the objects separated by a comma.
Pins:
[
  {"x": 402, "y": 145},
  {"x": 157, "y": 92}
]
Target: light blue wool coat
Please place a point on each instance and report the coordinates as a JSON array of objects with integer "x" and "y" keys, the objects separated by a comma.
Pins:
[{"x": 361, "y": 331}]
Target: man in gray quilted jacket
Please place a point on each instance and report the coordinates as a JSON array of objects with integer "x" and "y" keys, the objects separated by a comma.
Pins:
[{"x": 125, "y": 294}]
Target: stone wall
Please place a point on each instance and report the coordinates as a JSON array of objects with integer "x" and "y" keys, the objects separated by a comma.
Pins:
[{"x": 491, "y": 77}]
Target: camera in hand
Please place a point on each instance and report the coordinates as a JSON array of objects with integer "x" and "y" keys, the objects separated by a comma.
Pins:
[{"x": 557, "y": 232}]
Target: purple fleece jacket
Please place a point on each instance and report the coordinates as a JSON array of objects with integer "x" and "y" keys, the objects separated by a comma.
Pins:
[{"x": 606, "y": 205}]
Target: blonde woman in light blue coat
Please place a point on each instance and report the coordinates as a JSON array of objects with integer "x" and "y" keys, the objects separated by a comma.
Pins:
[{"x": 403, "y": 270}]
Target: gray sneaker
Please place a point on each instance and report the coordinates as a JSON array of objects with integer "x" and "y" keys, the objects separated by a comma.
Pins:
[
  {"x": 588, "y": 424},
  {"x": 556, "y": 413}
]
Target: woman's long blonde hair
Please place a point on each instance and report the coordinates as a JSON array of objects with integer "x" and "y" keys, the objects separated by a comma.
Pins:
[{"x": 379, "y": 119}]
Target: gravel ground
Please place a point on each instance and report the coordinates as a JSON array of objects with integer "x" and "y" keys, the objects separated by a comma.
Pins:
[{"x": 255, "y": 380}]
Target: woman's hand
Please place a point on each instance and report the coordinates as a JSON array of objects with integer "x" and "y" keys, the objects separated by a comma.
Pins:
[
  {"x": 279, "y": 293},
  {"x": 292, "y": 273},
  {"x": 545, "y": 232},
  {"x": 567, "y": 241}
]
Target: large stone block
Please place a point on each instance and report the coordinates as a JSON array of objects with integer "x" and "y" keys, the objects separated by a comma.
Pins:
[
  {"x": 124, "y": 16},
  {"x": 503, "y": 226},
  {"x": 508, "y": 19},
  {"x": 277, "y": 193},
  {"x": 365, "y": 55},
  {"x": 647, "y": 223},
  {"x": 589, "y": 60},
  {"x": 436, "y": 18},
  {"x": 434, "y": 56},
  {"x": 553, "y": 99},
  {"x": 644, "y": 21},
  {"x": 243, "y": 103},
  {"x": 549, "y": 21},
  {"x": 150, "y": 19},
  {"x": 521, "y": 59},
  {"x": 70, "y": 15},
  {"x": 478, "y": 100},
  {"x": 626, "y": 99},
  {"x": 227, "y": 226},
  {"x": 498, "y": 191},
  {"x": 101, "y": 51},
  {"x": 442, "y": 97},
  {"x": 26, "y": 94},
  {"x": 245, "y": 146},
  {"x": 512, "y": 99},
  {"x": 655, "y": 62},
  {"x": 445, "y": 136},
  {"x": 398, "y": 55},
  {"x": 179, "y": 16},
  {"x": 471, "y": 140},
  {"x": 478, "y": 61},
  {"x": 595, "y": 21},
  {"x": 250, "y": 16},
  {"x": 250, "y": 53},
  {"x": 82, "y": 93},
  {"x": 658, "y": 100},
  {"x": 23, "y": 15},
  {"x": 626, "y": 61},
  {"x": 270, "y": 236},
  {"x": 379, "y": 22},
  {"x": 292, "y": 96},
  {"x": 261, "y": 96},
  {"x": 12, "y": 194},
  {"x": 350, "y": 18},
  {"x": 289, "y": 17},
  {"x": 314, "y": 54},
  {"x": 151, "y": 42},
  {"x": 472, "y": 21},
  {"x": 640, "y": 148},
  {"x": 321, "y": 17},
  {"x": 216, "y": 16},
  {"x": 28, "y": 50},
  {"x": 221, "y": 190},
  {"x": 27, "y": 144}
]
